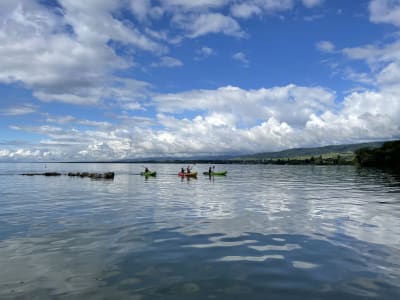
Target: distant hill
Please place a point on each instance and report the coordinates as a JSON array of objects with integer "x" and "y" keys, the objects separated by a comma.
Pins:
[
  {"x": 303, "y": 153},
  {"x": 178, "y": 159}
]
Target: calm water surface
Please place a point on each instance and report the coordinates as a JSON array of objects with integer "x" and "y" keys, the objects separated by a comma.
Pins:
[{"x": 261, "y": 232}]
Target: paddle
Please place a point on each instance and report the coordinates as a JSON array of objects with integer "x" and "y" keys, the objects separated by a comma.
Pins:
[{"x": 189, "y": 167}]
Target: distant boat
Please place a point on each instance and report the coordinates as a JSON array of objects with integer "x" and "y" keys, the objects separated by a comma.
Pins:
[{"x": 221, "y": 173}]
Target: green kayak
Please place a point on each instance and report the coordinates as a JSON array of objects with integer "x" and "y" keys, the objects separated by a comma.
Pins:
[
  {"x": 222, "y": 173},
  {"x": 149, "y": 173}
]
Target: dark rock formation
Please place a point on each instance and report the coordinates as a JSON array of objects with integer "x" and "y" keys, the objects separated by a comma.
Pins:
[
  {"x": 106, "y": 175},
  {"x": 43, "y": 174}
]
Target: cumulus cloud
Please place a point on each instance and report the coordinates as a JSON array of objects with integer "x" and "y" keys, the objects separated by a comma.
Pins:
[
  {"x": 291, "y": 103},
  {"x": 312, "y": 3},
  {"x": 24, "y": 109},
  {"x": 194, "y": 4},
  {"x": 325, "y": 46},
  {"x": 140, "y": 8},
  {"x": 385, "y": 11},
  {"x": 69, "y": 52},
  {"x": 63, "y": 55},
  {"x": 169, "y": 62},
  {"x": 383, "y": 61},
  {"x": 245, "y": 10},
  {"x": 207, "y": 23},
  {"x": 370, "y": 113},
  {"x": 204, "y": 52},
  {"x": 374, "y": 55},
  {"x": 390, "y": 75},
  {"x": 240, "y": 56},
  {"x": 59, "y": 119},
  {"x": 238, "y": 120}
]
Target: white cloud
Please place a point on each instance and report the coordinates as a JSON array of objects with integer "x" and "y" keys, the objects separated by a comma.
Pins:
[
  {"x": 140, "y": 8},
  {"x": 384, "y": 63},
  {"x": 245, "y": 10},
  {"x": 207, "y": 23},
  {"x": 19, "y": 110},
  {"x": 94, "y": 24},
  {"x": 238, "y": 120},
  {"x": 375, "y": 55},
  {"x": 291, "y": 104},
  {"x": 385, "y": 11},
  {"x": 194, "y": 4},
  {"x": 60, "y": 119},
  {"x": 169, "y": 62},
  {"x": 204, "y": 52},
  {"x": 370, "y": 113},
  {"x": 25, "y": 153},
  {"x": 240, "y": 56},
  {"x": 361, "y": 77},
  {"x": 312, "y": 3},
  {"x": 65, "y": 56},
  {"x": 272, "y": 6},
  {"x": 68, "y": 53},
  {"x": 390, "y": 75},
  {"x": 325, "y": 46}
]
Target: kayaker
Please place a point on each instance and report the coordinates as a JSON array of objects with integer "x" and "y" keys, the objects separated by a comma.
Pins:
[
  {"x": 188, "y": 169},
  {"x": 182, "y": 170},
  {"x": 209, "y": 170},
  {"x": 146, "y": 170}
]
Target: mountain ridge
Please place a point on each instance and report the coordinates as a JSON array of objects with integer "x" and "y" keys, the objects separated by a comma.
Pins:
[{"x": 342, "y": 149}]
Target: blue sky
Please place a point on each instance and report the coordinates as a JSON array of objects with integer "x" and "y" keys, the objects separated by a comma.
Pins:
[{"x": 100, "y": 79}]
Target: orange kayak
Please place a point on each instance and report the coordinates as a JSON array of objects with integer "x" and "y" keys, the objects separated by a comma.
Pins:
[{"x": 191, "y": 174}]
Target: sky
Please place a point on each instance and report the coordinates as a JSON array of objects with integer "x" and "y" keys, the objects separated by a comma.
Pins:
[{"x": 107, "y": 80}]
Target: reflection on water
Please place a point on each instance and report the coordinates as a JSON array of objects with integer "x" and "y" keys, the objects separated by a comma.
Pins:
[{"x": 286, "y": 232}]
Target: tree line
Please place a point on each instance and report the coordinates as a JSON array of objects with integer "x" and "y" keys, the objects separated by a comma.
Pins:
[{"x": 387, "y": 156}]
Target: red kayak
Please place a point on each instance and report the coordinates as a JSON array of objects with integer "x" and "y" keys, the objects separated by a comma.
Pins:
[{"x": 191, "y": 174}]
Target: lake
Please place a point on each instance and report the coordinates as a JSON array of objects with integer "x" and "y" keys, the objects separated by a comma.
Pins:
[{"x": 261, "y": 232}]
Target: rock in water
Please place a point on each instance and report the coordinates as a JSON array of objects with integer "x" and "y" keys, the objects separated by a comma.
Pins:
[{"x": 106, "y": 175}]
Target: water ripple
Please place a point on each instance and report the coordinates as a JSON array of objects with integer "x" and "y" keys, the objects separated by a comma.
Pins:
[{"x": 289, "y": 232}]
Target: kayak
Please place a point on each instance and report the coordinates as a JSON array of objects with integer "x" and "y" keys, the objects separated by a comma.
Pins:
[
  {"x": 191, "y": 174},
  {"x": 221, "y": 173},
  {"x": 149, "y": 173}
]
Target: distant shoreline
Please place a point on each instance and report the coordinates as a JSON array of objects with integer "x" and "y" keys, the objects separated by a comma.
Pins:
[{"x": 377, "y": 154}]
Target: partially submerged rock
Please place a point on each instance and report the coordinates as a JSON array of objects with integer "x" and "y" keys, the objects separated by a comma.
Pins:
[
  {"x": 106, "y": 175},
  {"x": 43, "y": 174}
]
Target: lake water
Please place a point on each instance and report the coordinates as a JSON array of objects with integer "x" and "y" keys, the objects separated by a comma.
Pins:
[{"x": 261, "y": 232}]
